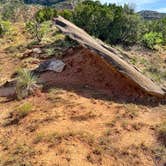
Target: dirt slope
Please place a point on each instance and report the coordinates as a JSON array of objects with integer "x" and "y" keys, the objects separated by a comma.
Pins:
[{"x": 85, "y": 68}]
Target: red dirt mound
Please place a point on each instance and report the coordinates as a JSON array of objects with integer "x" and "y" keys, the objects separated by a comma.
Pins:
[{"x": 84, "y": 68}]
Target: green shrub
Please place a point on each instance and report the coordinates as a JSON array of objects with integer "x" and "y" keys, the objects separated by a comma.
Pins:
[
  {"x": 38, "y": 30},
  {"x": 5, "y": 26},
  {"x": 26, "y": 83},
  {"x": 45, "y": 14},
  {"x": 67, "y": 14},
  {"x": 151, "y": 39}
]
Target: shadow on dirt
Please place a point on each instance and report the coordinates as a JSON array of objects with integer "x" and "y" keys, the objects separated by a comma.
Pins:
[
  {"x": 7, "y": 91},
  {"x": 90, "y": 92}
]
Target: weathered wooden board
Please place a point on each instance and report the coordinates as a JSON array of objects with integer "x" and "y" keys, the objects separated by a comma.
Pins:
[{"x": 110, "y": 56}]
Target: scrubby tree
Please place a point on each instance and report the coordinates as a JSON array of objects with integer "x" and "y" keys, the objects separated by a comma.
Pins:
[
  {"x": 125, "y": 27},
  {"x": 94, "y": 18}
]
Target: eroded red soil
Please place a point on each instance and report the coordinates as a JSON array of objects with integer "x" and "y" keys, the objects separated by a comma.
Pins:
[{"x": 84, "y": 68}]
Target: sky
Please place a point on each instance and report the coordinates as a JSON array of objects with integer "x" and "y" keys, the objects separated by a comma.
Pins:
[{"x": 157, "y": 5}]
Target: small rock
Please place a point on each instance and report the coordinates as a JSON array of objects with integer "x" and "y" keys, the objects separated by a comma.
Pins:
[
  {"x": 53, "y": 65},
  {"x": 37, "y": 50},
  {"x": 26, "y": 54}
]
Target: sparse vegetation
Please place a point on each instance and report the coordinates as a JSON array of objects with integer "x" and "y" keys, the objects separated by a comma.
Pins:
[
  {"x": 18, "y": 156},
  {"x": 24, "y": 110},
  {"x": 162, "y": 133},
  {"x": 84, "y": 117},
  {"x": 160, "y": 153},
  {"x": 131, "y": 111},
  {"x": 19, "y": 113},
  {"x": 55, "y": 138}
]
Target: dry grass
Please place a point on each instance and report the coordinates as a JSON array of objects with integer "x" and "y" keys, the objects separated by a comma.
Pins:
[
  {"x": 160, "y": 153},
  {"x": 162, "y": 133},
  {"x": 18, "y": 156},
  {"x": 83, "y": 117},
  {"x": 131, "y": 111},
  {"x": 19, "y": 113},
  {"x": 55, "y": 138}
]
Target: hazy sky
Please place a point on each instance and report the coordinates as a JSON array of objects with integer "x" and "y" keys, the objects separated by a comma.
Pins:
[{"x": 158, "y": 5}]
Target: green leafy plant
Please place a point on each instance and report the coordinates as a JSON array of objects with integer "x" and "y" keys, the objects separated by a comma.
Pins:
[
  {"x": 26, "y": 83},
  {"x": 5, "y": 27},
  {"x": 151, "y": 39}
]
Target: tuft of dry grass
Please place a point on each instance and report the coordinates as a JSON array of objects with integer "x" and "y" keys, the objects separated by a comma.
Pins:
[
  {"x": 162, "y": 133},
  {"x": 84, "y": 117},
  {"x": 160, "y": 153},
  {"x": 19, "y": 113},
  {"x": 24, "y": 110},
  {"x": 131, "y": 111},
  {"x": 111, "y": 123}
]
